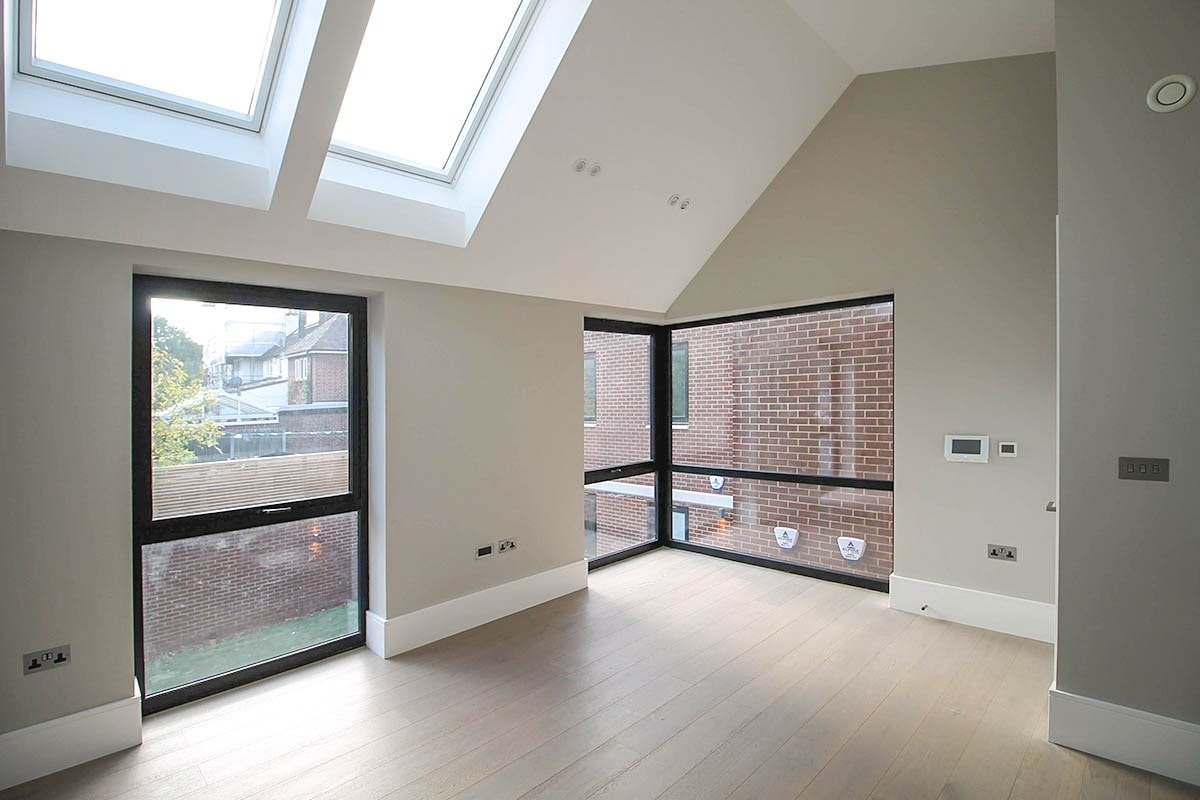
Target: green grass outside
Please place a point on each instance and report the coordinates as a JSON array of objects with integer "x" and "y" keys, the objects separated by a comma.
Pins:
[{"x": 188, "y": 666}]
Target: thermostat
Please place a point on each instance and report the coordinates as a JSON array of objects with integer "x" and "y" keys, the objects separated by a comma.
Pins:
[
  {"x": 967, "y": 447},
  {"x": 1007, "y": 449}
]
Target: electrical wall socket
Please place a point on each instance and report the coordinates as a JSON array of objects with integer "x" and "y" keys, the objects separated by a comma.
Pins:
[
  {"x": 42, "y": 660},
  {"x": 507, "y": 544},
  {"x": 1002, "y": 552}
]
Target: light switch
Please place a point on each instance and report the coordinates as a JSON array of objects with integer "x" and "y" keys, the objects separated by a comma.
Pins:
[{"x": 1144, "y": 469}]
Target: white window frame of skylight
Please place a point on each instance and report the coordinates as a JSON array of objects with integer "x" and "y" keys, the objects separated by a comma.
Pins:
[
  {"x": 468, "y": 134},
  {"x": 29, "y": 66}
]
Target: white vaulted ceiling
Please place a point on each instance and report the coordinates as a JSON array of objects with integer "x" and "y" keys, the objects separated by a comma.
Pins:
[
  {"x": 879, "y": 35},
  {"x": 702, "y": 98}
]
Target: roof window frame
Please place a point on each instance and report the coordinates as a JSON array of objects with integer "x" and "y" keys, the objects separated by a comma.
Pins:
[
  {"x": 26, "y": 65},
  {"x": 506, "y": 55}
]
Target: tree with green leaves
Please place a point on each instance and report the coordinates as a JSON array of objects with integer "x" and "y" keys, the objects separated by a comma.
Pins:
[
  {"x": 179, "y": 345},
  {"x": 177, "y": 412}
]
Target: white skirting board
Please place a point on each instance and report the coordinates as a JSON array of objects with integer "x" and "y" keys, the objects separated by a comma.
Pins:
[
  {"x": 1140, "y": 739},
  {"x": 51, "y": 746},
  {"x": 390, "y": 637},
  {"x": 997, "y": 612}
]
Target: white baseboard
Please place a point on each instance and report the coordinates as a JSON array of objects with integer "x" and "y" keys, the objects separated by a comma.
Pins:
[
  {"x": 390, "y": 637},
  {"x": 1140, "y": 739},
  {"x": 51, "y": 746},
  {"x": 996, "y": 612}
]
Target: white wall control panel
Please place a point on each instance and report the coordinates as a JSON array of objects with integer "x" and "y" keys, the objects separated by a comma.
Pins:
[
  {"x": 967, "y": 447},
  {"x": 1007, "y": 449}
]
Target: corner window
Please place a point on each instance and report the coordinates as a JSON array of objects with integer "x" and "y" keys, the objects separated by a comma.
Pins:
[
  {"x": 679, "y": 523},
  {"x": 589, "y": 387},
  {"x": 679, "y": 382},
  {"x": 426, "y": 75},
  {"x": 208, "y": 58}
]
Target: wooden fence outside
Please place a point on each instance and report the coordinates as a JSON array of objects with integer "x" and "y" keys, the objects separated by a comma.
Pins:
[{"x": 224, "y": 485}]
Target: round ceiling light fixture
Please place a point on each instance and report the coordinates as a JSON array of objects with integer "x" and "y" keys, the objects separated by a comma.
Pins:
[{"x": 1171, "y": 93}]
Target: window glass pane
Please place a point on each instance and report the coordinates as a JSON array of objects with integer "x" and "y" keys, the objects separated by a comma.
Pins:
[
  {"x": 211, "y": 52},
  {"x": 679, "y": 381},
  {"x": 621, "y": 433},
  {"x": 742, "y": 516},
  {"x": 806, "y": 393},
  {"x": 589, "y": 524},
  {"x": 249, "y": 405},
  {"x": 212, "y": 604},
  {"x": 679, "y": 523},
  {"x": 621, "y": 510},
  {"x": 589, "y": 387},
  {"x": 420, "y": 71}
]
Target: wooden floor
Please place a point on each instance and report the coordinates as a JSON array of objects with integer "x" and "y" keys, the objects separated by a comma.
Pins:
[{"x": 675, "y": 675}]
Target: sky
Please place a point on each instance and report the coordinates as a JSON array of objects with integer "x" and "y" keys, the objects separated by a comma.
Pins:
[{"x": 211, "y": 51}]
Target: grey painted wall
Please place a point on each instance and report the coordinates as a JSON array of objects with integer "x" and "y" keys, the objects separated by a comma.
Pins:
[
  {"x": 475, "y": 430},
  {"x": 1129, "y": 286},
  {"x": 937, "y": 184}
]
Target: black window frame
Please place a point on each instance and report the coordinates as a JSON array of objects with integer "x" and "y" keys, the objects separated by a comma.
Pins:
[
  {"x": 662, "y": 463},
  {"x": 149, "y": 531},
  {"x": 659, "y": 431},
  {"x": 652, "y": 521}
]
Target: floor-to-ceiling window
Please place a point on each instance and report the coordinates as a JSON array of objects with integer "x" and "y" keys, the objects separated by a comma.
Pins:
[
  {"x": 620, "y": 472},
  {"x": 786, "y": 454},
  {"x": 779, "y": 437},
  {"x": 249, "y": 482}
]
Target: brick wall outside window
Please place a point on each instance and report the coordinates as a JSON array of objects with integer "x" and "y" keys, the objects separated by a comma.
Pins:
[
  {"x": 329, "y": 376},
  {"x": 209, "y": 588},
  {"x": 808, "y": 393}
]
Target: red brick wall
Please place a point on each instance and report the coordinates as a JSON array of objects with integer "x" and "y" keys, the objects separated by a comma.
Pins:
[
  {"x": 315, "y": 430},
  {"x": 621, "y": 432},
  {"x": 212, "y": 587},
  {"x": 807, "y": 393},
  {"x": 820, "y": 513},
  {"x": 329, "y": 376}
]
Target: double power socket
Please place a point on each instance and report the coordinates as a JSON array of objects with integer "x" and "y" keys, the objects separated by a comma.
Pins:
[{"x": 48, "y": 659}]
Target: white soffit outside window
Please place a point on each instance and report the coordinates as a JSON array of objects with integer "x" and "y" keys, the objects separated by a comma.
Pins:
[
  {"x": 188, "y": 97},
  {"x": 213, "y": 59},
  {"x": 425, "y": 161},
  {"x": 424, "y": 79}
]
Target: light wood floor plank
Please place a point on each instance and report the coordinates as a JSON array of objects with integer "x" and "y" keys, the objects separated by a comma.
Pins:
[{"x": 674, "y": 676}]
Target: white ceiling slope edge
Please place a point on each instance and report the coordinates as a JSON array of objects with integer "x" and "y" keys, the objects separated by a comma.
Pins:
[
  {"x": 705, "y": 98},
  {"x": 702, "y": 97},
  {"x": 880, "y": 35}
]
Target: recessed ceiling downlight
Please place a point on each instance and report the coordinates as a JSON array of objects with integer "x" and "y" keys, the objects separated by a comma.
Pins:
[{"x": 1171, "y": 93}]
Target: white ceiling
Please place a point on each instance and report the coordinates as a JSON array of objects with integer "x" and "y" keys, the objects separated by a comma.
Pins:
[
  {"x": 705, "y": 98},
  {"x": 878, "y": 35}
]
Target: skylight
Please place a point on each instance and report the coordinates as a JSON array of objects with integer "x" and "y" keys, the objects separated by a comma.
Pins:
[
  {"x": 425, "y": 75},
  {"x": 210, "y": 58}
]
